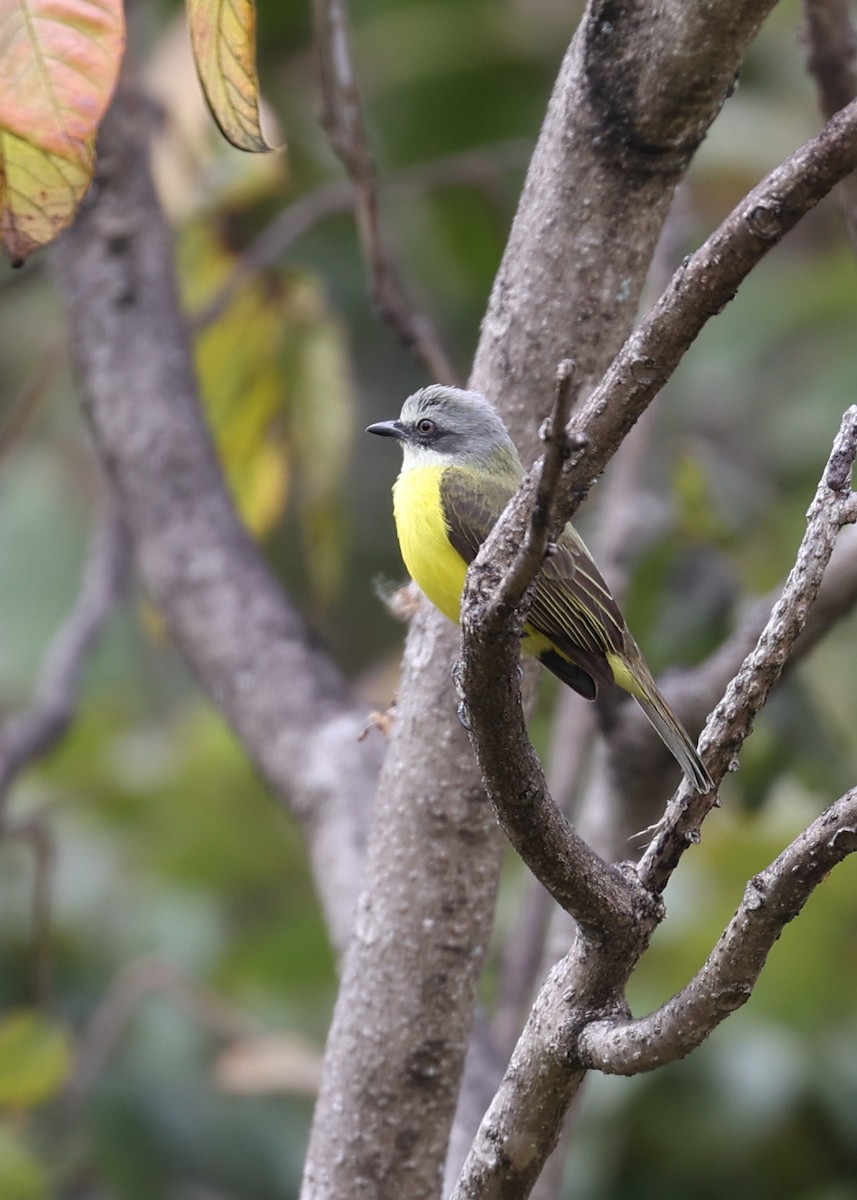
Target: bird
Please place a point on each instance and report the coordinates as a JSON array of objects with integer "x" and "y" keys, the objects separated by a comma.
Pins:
[{"x": 460, "y": 467}]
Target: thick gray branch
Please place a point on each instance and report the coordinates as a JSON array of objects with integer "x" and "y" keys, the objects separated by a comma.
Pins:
[
  {"x": 706, "y": 282},
  {"x": 282, "y": 695},
  {"x": 586, "y": 228},
  {"x": 772, "y": 899},
  {"x": 639, "y": 88},
  {"x": 525, "y": 1117},
  {"x": 397, "y": 1044},
  {"x": 487, "y": 681}
]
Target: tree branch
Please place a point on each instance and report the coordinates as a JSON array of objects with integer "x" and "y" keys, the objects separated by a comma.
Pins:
[
  {"x": 831, "y": 59},
  {"x": 477, "y": 167},
  {"x": 773, "y": 898},
  {"x": 548, "y": 1064},
  {"x": 597, "y": 192},
  {"x": 543, "y": 523},
  {"x": 694, "y": 691},
  {"x": 486, "y": 678},
  {"x": 36, "y": 831},
  {"x": 831, "y": 52},
  {"x": 834, "y": 505},
  {"x": 543, "y": 1075},
  {"x": 30, "y": 734},
  {"x": 701, "y": 287},
  {"x": 424, "y": 919},
  {"x": 633, "y": 100},
  {"x": 342, "y": 116},
  {"x": 283, "y": 696},
  {"x": 697, "y": 291},
  {"x": 131, "y": 985}
]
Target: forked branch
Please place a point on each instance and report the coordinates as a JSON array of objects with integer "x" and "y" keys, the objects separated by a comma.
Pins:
[
  {"x": 772, "y": 898},
  {"x": 835, "y": 505}
]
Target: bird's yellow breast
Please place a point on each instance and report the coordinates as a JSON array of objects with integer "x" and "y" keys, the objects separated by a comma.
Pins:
[{"x": 434, "y": 565}]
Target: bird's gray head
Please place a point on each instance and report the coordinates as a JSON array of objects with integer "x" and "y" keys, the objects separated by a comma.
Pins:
[{"x": 450, "y": 427}]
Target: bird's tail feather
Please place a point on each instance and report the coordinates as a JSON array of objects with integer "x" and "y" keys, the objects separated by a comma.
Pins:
[{"x": 674, "y": 736}]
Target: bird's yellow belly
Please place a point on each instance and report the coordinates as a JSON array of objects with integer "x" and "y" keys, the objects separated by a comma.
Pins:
[
  {"x": 434, "y": 565},
  {"x": 432, "y": 562}
]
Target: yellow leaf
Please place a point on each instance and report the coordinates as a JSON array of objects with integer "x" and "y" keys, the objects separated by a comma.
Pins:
[
  {"x": 194, "y": 166},
  {"x": 239, "y": 378},
  {"x": 59, "y": 61},
  {"x": 35, "y": 1058},
  {"x": 223, "y": 33},
  {"x": 273, "y": 370},
  {"x": 322, "y": 413}
]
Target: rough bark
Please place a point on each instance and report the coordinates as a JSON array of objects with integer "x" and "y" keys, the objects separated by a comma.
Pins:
[
  {"x": 406, "y": 1001},
  {"x": 586, "y": 988},
  {"x": 597, "y": 193},
  {"x": 772, "y": 898},
  {"x": 285, "y": 699},
  {"x": 638, "y": 89},
  {"x": 636, "y": 94}
]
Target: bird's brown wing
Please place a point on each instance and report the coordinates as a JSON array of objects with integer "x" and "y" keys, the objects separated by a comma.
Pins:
[
  {"x": 573, "y": 607},
  {"x": 471, "y": 502}
]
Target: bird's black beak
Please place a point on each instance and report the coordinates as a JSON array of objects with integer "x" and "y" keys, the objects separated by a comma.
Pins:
[{"x": 394, "y": 429}]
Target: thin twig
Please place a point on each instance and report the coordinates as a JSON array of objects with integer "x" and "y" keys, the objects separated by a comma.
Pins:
[
  {"x": 478, "y": 167},
  {"x": 694, "y": 691},
  {"x": 37, "y": 832},
  {"x": 543, "y": 521},
  {"x": 699, "y": 290},
  {"x": 835, "y": 505},
  {"x": 486, "y": 679},
  {"x": 831, "y": 52},
  {"x": 25, "y": 405},
  {"x": 137, "y": 980},
  {"x": 523, "y": 953},
  {"x": 30, "y": 734},
  {"x": 831, "y": 58},
  {"x": 342, "y": 117}
]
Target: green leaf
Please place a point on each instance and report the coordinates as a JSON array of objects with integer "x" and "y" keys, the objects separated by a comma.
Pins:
[{"x": 35, "y": 1059}]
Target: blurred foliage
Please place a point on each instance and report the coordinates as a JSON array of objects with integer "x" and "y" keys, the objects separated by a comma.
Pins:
[
  {"x": 35, "y": 1059},
  {"x": 168, "y": 849},
  {"x": 263, "y": 364}
]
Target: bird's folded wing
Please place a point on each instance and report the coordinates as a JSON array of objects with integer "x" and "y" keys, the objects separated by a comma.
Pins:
[
  {"x": 573, "y": 603},
  {"x": 573, "y": 607},
  {"x": 472, "y": 501}
]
